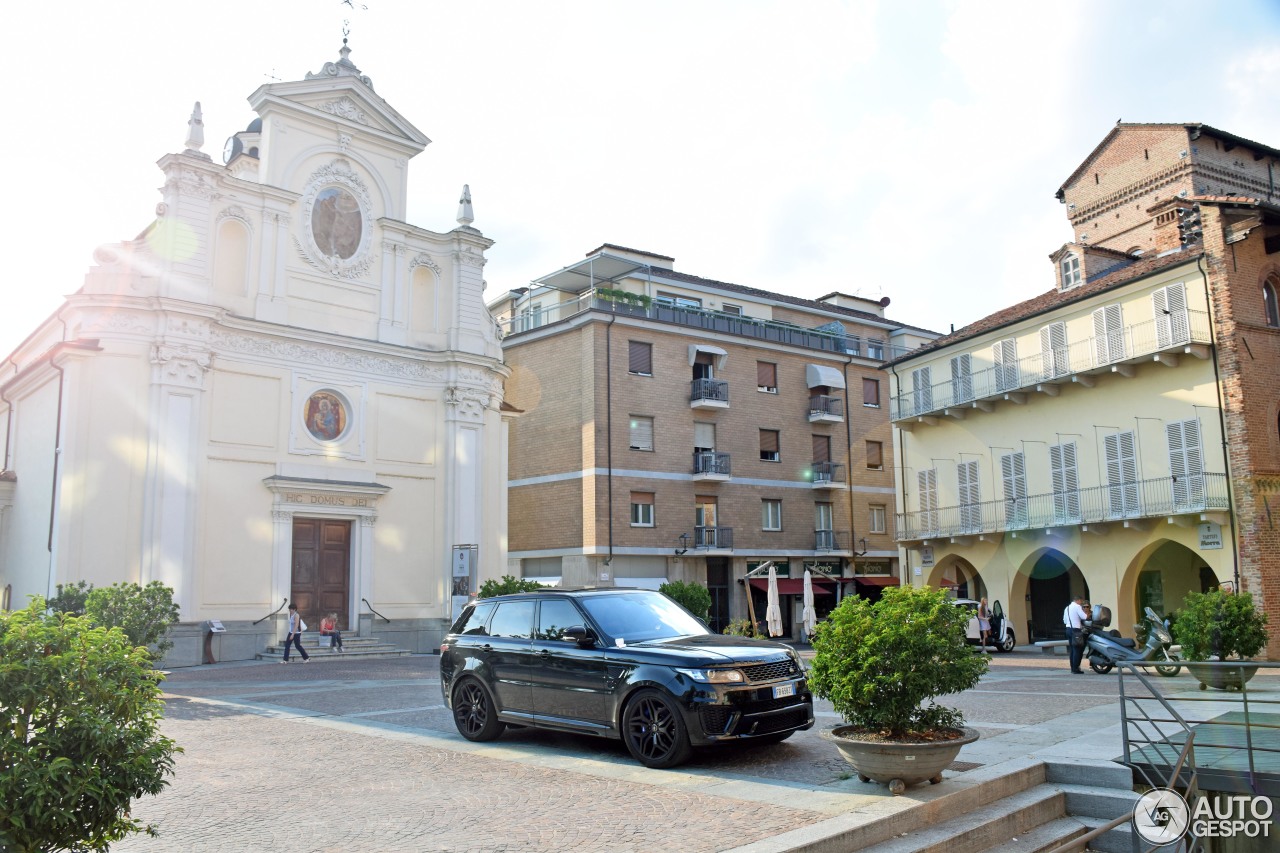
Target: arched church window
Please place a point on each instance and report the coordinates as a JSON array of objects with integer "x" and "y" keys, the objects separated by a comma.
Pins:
[{"x": 1269, "y": 288}]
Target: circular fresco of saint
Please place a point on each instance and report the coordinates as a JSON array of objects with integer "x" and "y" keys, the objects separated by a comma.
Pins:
[
  {"x": 336, "y": 222},
  {"x": 326, "y": 416}
]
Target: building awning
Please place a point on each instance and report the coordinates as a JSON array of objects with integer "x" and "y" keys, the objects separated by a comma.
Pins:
[
  {"x": 795, "y": 586},
  {"x": 820, "y": 374},
  {"x": 715, "y": 352},
  {"x": 877, "y": 580}
]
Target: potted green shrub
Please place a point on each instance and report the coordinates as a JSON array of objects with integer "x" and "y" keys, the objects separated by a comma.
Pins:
[
  {"x": 1220, "y": 626},
  {"x": 881, "y": 665}
]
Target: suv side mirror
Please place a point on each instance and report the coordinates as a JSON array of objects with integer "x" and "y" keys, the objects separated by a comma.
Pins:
[{"x": 578, "y": 634}]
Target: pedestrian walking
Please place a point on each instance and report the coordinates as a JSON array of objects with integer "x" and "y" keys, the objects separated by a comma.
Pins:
[
  {"x": 329, "y": 628},
  {"x": 294, "y": 637},
  {"x": 1073, "y": 618}
]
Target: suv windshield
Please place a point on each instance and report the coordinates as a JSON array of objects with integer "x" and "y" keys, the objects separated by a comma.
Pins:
[{"x": 640, "y": 616}]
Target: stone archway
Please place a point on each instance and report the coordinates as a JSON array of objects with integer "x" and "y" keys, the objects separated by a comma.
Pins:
[
  {"x": 1047, "y": 581},
  {"x": 958, "y": 574},
  {"x": 1160, "y": 576}
]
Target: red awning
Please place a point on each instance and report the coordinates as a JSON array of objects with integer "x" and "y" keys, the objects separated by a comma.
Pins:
[
  {"x": 794, "y": 586},
  {"x": 877, "y": 580}
]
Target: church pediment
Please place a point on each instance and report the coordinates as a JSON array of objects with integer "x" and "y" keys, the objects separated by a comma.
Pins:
[{"x": 344, "y": 101}]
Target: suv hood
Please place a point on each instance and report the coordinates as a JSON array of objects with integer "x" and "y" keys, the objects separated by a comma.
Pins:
[{"x": 718, "y": 649}]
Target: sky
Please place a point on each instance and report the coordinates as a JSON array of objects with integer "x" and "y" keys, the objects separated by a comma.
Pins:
[{"x": 907, "y": 149}]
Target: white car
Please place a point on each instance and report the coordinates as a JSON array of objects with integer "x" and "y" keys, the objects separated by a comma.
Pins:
[{"x": 1001, "y": 634}]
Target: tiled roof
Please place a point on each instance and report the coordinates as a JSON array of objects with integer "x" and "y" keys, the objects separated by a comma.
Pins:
[{"x": 1054, "y": 299}]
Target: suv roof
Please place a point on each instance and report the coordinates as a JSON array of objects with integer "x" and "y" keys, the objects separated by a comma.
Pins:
[{"x": 570, "y": 590}]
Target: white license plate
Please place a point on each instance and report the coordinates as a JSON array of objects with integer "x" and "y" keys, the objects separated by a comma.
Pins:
[{"x": 784, "y": 690}]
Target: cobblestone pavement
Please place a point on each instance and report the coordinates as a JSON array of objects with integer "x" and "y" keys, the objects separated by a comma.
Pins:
[{"x": 360, "y": 755}]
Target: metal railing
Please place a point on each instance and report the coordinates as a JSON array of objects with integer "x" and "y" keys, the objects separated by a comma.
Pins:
[
  {"x": 825, "y": 540},
  {"x": 716, "y": 390},
  {"x": 526, "y": 320},
  {"x": 711, "y": 462},
  {"x": 1171, "y": 333},
  {"x": 1159, "y": 745},
  {"x": 713, "y": 538},
  {"x": 374, "y": 612},
  {"x": 1134, "y": 499},
  {"x": 828, "y": 472},
  {"x": 821, "y": 404}
]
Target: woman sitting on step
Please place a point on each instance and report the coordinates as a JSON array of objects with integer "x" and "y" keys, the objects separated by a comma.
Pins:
[{"x": 329, "y": 628}]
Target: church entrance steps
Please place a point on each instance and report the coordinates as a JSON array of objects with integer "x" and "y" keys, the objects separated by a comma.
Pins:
[{"x": 353, "y": 647}]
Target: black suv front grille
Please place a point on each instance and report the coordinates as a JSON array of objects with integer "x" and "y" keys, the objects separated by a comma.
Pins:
[
  {"x": 771, "y": 671},
  {"x": 715, "y": 718},
  {"x": 774, "y": 722}
]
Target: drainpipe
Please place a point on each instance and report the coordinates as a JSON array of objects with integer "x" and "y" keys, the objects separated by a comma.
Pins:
[
  {"x": 848, "y": 467},
  {"x": 1222, "y": 421},
  {"x": 903, "y": 580},
  {"x": 608, "y": 422}
]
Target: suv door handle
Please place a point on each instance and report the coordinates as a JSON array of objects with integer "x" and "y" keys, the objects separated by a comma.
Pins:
[{"x": 545, "y": 654}]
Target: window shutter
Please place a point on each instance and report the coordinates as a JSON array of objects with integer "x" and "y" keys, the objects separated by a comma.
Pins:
[
  {"x": 766, "y": 374},
  {"x": 1186, "y": 463},
  {"x": 1122, "y": 474},
  {"x": 970, "y": 495},
  {"x": 768, "y": 441},
  {"x": 704, "y": 436},
  {"x": 641, "y": 433},
  {"x": 1169, "y": 305},
  {"x": 922, "y": 389},
  {"x": 1013, "y": 469},
  {"x": 1005, "y": 355},
  {"x": 1108, "y": 334},
  {"x": 822, "y": 448},
  {"x": 1066, "y": 482},
  {"x": 870, "y": 392},
  {"x": 1053, "y": 349},
  {"x": 640, "y": 357},
  {"x": 642, "y": 498},
  {"x": 962, "y": 378},
  {"x": 875, "y": 455},
  {"x": 928, "y": 486}
]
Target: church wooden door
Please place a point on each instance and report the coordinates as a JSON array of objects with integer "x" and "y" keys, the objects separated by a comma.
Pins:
[{"x": 321, "y": 569}]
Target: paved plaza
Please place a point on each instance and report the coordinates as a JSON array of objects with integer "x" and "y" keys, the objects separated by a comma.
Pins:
[{"x": 361, "y": 755}]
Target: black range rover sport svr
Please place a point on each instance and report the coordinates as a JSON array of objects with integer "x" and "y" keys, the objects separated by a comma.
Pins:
[{"x": 619, "y": 663}]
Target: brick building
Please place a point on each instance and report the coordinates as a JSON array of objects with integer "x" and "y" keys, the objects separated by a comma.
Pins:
[
  {"x": 1122, "y": 427},
  {"x": 680, "y": 428}
]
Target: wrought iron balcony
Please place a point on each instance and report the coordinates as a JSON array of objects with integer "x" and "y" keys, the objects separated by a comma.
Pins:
[
  {"x": 710, "y": 465},
  {"x": 1136, "y": 499},
  {"x": 709, "y": 393},
  {"x": 825, "y": 409},
  {"x": 1181, "y": 332},
  {"x": 828, "y": 475},
  {"x": 825, "y": 540},
  {"x": 713, "y": 538}
]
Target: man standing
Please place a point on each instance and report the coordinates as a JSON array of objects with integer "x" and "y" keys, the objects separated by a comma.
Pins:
[{"x": 1074, "y": 618}]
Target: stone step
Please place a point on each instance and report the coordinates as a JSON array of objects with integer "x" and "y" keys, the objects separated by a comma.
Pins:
[
  {"x": 1119, "y": 840},
  {"x": 1045, "y": 837},
  {"x": 1098, "y": 774},
  {"x": 353, "y": 647},
  {"x": 983, "y": 828}
]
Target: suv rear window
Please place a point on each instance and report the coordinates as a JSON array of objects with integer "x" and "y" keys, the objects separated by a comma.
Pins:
[
  {"x": 472, "y": 622},
  {"x": 513, "y": 619}
]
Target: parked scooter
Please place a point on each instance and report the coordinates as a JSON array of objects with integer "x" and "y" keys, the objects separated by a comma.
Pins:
[{"x": 1104, "y": 648}]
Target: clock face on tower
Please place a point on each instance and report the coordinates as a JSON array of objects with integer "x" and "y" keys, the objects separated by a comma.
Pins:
[{"x": 233, "y": 147}]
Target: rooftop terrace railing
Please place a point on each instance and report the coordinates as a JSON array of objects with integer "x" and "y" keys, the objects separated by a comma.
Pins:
[{"x": 528, "y": 319}]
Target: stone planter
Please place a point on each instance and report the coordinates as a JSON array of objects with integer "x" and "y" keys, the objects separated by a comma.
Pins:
[
  {"x": 898, "y": 764},
  {"x": 1222, "y": 677}
]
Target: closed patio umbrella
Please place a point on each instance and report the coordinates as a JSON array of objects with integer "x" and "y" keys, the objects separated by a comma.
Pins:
[
  {"x": 773, "y": 614},
  {"x": 810, "y": 615}
]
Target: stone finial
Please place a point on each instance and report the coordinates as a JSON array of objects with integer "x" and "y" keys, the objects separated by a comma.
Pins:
[
  {"x": 465, "y": 214},
  {"x": 195, "y": 129}
]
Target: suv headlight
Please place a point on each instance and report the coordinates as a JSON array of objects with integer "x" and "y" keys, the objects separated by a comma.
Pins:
[{"x": 714, "y": 676}]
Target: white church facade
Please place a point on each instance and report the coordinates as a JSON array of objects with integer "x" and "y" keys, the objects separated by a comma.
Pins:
[{"x": 278, "y": 391}]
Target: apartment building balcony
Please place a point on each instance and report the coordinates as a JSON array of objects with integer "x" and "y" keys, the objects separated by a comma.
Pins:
[
  {"x": 825, "y": 541},
  {"x": 1081, "y": 362},
  {"x": 713, "y": 540},
  {"x": 828, "y": 475},
  {"x": 825, "y": 409},
  {"x": 708, "y": 394},
  {"x": 710, "y": 465},
  {"x": 1136, "y": 503}
]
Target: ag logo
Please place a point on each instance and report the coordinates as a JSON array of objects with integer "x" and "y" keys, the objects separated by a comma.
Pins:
[{"x": 1161, "y": 816}]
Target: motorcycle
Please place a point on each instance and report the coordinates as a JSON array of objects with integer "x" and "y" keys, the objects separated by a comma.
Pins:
[{"x": 1104, "y": 648}]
